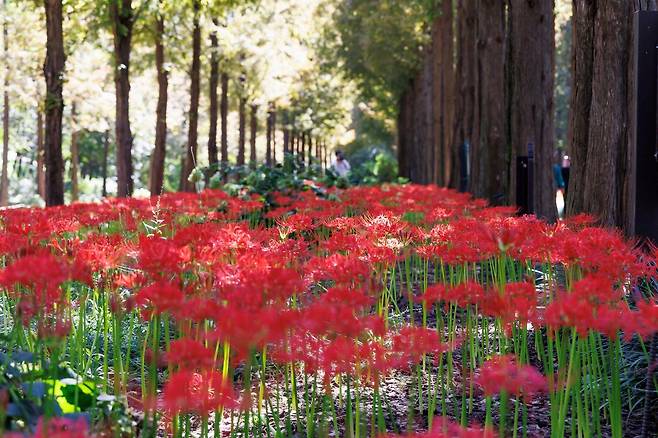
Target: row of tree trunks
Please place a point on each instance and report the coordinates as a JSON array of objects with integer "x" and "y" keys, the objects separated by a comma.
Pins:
[
  {"x": 193, "y": 114},
  {"x": 427, "y": 110},
  {"x": 492, "y": 92},
  {"x": 156, "y": 173}
]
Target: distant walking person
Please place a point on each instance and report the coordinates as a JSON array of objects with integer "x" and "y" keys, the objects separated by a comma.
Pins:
[{"x": 340, "y": 165}]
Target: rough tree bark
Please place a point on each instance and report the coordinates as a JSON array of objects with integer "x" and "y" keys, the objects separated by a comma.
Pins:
[
  {"x": 41, "y": 157},
  {"x": 273, "y": 134},
  {"x": 242, "y": 126},
  {"x": 214, "y": 79},
  {"x": 75, "y": 156},
  {"x": 448, "y": 81},
  {"x": 156, "y": 173},
  {"x": 252, "y": 136},
  {"x": 269, "y": 135},
  {"x": 286, "y": 133},
  {"x": 533, "y": 53},
  {"x": 122, "y": 29},
  {"x": 223, "y": 110},
  {"x": 489, "y": 166},
  {"x": 106, "y": 151},
  {"x": 600, "y": 167},
  {"x": 584, "y": 13},
  {"x": 54, "y": 104},
  {"x": 442, "y": 92},
  {"x": 195, "y": 91}
]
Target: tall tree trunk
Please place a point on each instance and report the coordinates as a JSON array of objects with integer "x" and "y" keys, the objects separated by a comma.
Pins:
[
  {"x": 41, "y": 157},
  {"x": 599, "y": 144},
  {"x": 156, "y": 174},
  {"x": 270, "y": 135},
  {"x": 286, "y": 134},
  {"x": 195, "y": 91},
  {"x": 582, "y": 71},
  {"x": 302, "y": 147},
  {"x": 445, "y": 58},
  {"x": 252, "y": 137},
  {"x": 214, "y": 80},
  {"x": 242, "y": 126},
  {"x": 75, "y": 157},
  {"x": 273, "y": 134},
  {"x": 122, "y": 29},
  {"x": 4, "y": 177},
  {"x": 533, "y": 53},
  {"x": 490, "y": 167},
  {"x": 106, "y": 150},
  {"x": 223, "y": 109},
  {"x": 402, "y": 143},
  {"x": 467, "y": 129},
  {"x": 54, "y": 104}
]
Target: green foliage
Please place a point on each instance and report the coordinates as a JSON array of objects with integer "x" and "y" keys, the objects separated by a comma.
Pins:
[
  {"x": 292, "y": 175},
  {"x": 373, "y": 166},
  {"x": 91, "y": 147},
  {"x": 377, "y": 43},
  {"x": 35, "y": 388}
]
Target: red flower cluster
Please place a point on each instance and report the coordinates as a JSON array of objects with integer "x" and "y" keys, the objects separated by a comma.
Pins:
[
  {"x": 503, "y": 374},
  {"x": 324, "y": 290}
]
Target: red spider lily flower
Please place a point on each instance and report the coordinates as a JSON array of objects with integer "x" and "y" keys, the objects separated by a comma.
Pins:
[
  {"x": 161, "y": 256},
  {"x": 411, "y": 343},
  {"x": 59, "y": 427},
  {"x": 249, "y": 329},
  {"x": 517, "y": 303},
  {"x": 338, "y": 357},
  {"x": 643, "y": 322},
  {"x": 580, "y": 221},
  {"x": 342, "y": 269},
  {"x": 376, "y": 360},
  {"x": 338, "y": 313},
  {"x": 503, "y": 374},
  {"x": 295, "y": 223},
  {"x": 189, "y": 354},
  {"x": 101, "y": 252},
  {"x": 597, "y": 290},
  {"x": 462, "y": 294},
  {"x": 160, "y": 297},
  {"x": 569, "y": 310},
  {"x": 13, "y": 243},
  {"x": 35, "y": 281},
  {"x": 445, "y": 428},
  {"x": 197, "y": 309},
  {"x": 188, "y": 392}
]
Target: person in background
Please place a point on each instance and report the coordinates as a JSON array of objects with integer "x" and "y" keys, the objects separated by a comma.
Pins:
[
  {"x": 340, "y": 165},
  {"x": 566, "y": 167},
  {"x": 559, "y": 183}
]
